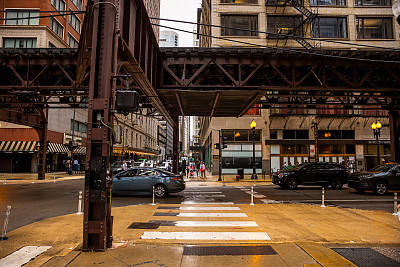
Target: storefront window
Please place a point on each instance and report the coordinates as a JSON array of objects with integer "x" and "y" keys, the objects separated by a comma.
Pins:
[
  {"x": 302, "y": 149},
  {"x": 288, "y": 149},
  {"x": 350, "y": 149},
  {"x": 324, "y": 149},
  {"x": 337, "y": 149}
]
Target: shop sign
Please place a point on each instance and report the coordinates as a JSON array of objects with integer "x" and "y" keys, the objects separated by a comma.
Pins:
[
  {"x": 215, "y": 156},
  {"x": 312, "y": 151}
]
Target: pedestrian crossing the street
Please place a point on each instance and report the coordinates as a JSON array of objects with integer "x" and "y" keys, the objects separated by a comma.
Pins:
[{"x": 208, "y": 213}]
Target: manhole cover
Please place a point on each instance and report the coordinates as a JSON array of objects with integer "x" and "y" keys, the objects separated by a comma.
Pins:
[
  {"x": 229, "y": 250},
  {"x": 366, "y": 257},
  {"x": 141, "y": 225}
]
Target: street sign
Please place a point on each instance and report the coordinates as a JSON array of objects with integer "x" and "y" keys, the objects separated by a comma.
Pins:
[{"x": 215, "y": 156}]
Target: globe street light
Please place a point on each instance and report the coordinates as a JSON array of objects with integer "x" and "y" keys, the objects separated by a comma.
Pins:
[
  {"x": 376, "y": 127},
  {"x": 253, "y": 126}
]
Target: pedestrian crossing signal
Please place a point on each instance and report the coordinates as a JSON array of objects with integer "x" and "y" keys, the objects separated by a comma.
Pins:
[{"x": 38, "y": 147}]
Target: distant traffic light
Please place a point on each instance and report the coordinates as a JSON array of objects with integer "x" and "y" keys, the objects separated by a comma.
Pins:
[
  {"x": 217, "y": 146},
  {"x": 224, "y": 142},
  {"x": 38, "y": 147}
]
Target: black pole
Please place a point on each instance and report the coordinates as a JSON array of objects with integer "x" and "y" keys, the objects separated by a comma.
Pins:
[
  {"x": 220, "y": 154},
  {"x": 71, "y": 169},
  {"x": 377, "y": 133},
  {"x": 254, "y": 176}
]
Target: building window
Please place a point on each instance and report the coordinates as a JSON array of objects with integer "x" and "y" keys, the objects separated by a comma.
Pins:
[
  {"x": 19, "y": 42},
  {"x": 79, "y": 126},
  {"x": 373, "y": 2},
  {"x": 328, "y": 2},
  {"x": 22, "y": 17},
  {"x": 281, "y": 2},
  {"x": 57, "y": 27},
  {"x": 58, "y": 4},
  {"x": 374, "y": 28},
  {"x": 51, "y": 45},
  {"x": 75, "y": 22},
  {"x": 239, "y": 1},
  {"x": 72, "y": 42},
  {"x": 77, "y": 3},
  {"x": 248, "y": 23},
  {"x": 336, "y": 134},
  {"x": 284, "y": 25},
  {"x": 330, "y": 28},
  {"x": 254, "y": 110}
]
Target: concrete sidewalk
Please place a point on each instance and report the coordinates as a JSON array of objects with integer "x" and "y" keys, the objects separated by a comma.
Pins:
[
  {"x": 26, "y": 178},
  {"x": 300, "y": 235}
]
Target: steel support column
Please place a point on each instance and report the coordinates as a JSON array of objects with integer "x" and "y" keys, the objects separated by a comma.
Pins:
[
  {"x": 394, "y": 121},
  {"x": 175, "y": 145},
  {"x": 97, "y": 228},
  {"x": 42, "y": 133}
]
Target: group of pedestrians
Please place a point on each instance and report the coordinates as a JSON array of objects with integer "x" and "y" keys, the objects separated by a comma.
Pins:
[
  {"x": 75, "y": 166},
  {"x": 197, "y": 168}
]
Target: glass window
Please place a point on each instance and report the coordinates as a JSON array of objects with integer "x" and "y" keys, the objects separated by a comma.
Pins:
[
  {"x": 282, "y": 2},
  {"x": 75, "y": 22},
  {"x": 324, "y": 149},
  {"x": 58, "y": 4},
  {"x": 239, "y": 1},
  {"x": 22, "y": 17},
  {"x": 373, "y": 2},
  {"x": 240, "y": 22},
  {"x": 374, "y": 28},
  {"x": 254, "y": 111},
  {"x": 289, "y": 134},
  {"x": 302, "y": 149},
  {"x": 77, "y": 3},
  {"x": 57, "y": 27},
  {"x": 348, "y": 134},
  {"x": 284, "y": 25},
  {"x": 302, "y": 134},
  {"x": 330, "y": 28},
  {"x": 328, "y": 2},
  {"x": 72, "y": 42},
  {"x": 337, "y": 149},
  {"x": 350, "y": 149},
  {"x": 288, "y": 149},
  {"x": 19, "y": 42},
  {"x": 273, "y": 134}
]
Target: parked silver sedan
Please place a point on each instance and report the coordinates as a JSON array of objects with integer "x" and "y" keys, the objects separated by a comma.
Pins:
[{"x": 140, "y": 180}]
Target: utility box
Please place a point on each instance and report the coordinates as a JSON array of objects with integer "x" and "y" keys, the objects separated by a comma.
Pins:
[{"x": 127, "y": 101}]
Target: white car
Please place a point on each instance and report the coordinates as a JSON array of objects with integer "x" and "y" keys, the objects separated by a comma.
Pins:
[{"x": 165, "y": 166}]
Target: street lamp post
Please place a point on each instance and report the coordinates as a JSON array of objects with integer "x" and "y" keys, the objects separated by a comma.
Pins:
[
  {"x": 253, "y": 126},
  {"x": 376, "y": 127}
]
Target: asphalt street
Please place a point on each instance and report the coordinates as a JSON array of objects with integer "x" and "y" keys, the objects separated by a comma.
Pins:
[{"x": 35, "y": 202}]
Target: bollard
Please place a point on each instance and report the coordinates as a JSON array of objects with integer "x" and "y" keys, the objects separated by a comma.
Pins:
[
  {"x": 54, "y": 177},
  {"x": 396, "y": 212},
  {"x": 153, "y": 198},
  {"x": 252, "y": 197},
  {"x": 323, "y": 198},
  {"x": 4, "y": 179},
  {"x": 5, "y": 225},
  {"x": 79, "y": 204}
]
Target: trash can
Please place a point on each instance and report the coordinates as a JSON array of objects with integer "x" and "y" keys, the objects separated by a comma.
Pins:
[{"x": 240, "y": 173}]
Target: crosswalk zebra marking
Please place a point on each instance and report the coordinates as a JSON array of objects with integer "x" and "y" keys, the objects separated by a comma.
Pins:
[{"x": 258, "y": 236}]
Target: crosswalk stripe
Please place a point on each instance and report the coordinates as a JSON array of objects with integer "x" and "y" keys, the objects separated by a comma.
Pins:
[
  {"x": 207, "y": 235},
  {"x": 259, "y": 196},
  {"x": 202, "y": 192},
  {"x": 221, "y": 214},
  {"x": 209, "y": 208},
  {"x": 215, "y": 223},
  {"x": 23, "y": 256},
  {"x": 192, "y": 202},
  {"x": 206, "y": 196}
]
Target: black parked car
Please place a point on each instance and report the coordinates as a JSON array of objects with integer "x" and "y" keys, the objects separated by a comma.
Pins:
[
  {"x": 379, "y": 179},
  {"x": 320, "y": 173},
  {"x": 140, "y": 180}
]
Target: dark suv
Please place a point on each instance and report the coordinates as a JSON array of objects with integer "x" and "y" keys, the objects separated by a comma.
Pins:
[
  {"x": 320, "y": 173},
  {"x": 379, "y": 179}
]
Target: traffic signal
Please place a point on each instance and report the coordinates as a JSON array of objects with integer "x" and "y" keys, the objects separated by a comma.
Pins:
[
  {"x": 216, "y": 146},
  {"x": 38, "y": 147},
  {"x": 224, "y": 142},
  {"x": 47, "y": 145}
]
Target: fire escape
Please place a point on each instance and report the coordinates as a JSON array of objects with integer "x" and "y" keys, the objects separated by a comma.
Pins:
[{"x": 306, "y": 22}]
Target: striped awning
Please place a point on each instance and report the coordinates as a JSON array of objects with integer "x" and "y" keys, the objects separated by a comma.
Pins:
[
  {"x": 80, "y": 150},
  {"x": 18, "y": 146},
  {"x": 54, "y": 148}
]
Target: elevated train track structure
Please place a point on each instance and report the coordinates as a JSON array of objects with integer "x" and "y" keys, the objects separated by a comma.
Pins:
[{"x": 117, "y": 39}]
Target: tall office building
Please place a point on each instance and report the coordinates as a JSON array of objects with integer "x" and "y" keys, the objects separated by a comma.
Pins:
[
  {"x": 285, "y": 136},
  {"x": 169, "y": 39}
]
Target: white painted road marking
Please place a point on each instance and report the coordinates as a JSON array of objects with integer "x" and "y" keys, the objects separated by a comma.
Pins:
[
  {"x": 23, "y": 256},
  {"x": 205, "y": 196},
  {"x": 202, "y": 192},
  {"x": 212, "y": 215},
  {"x": 192, "y": 202},
  {"x": 216, "y": 223},
  {"x": 270, "y": 201},
  {"x": 259, "y": 196},
  {"x": 209, "y": 208},
  {"x": 207, "y": 235}
]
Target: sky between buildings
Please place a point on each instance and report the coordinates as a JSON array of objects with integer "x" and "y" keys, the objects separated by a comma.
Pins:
[{"x": 180, "y": 10}]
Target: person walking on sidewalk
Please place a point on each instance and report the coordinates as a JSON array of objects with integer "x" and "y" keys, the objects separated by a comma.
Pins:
[
  {"x": 198, "y": 172},
  {"x": 203, "y": 170},
  {"x": 68, "y": 166}
]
